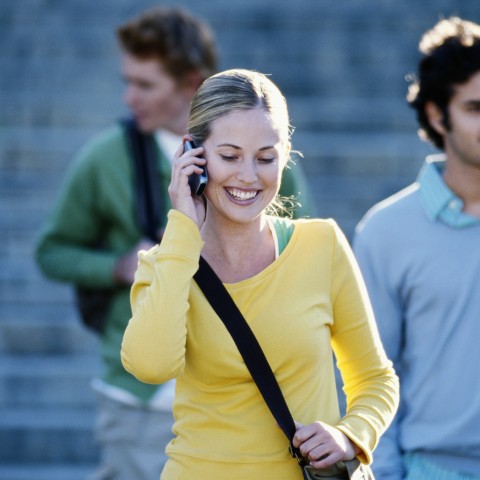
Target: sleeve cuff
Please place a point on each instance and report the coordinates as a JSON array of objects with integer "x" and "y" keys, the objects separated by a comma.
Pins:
[
  {"x": 365, "y": 456},
  {"x": 181, "y": 238}
]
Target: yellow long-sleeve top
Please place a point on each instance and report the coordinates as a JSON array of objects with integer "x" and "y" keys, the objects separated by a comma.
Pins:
[{"x": 310, "y": 299}]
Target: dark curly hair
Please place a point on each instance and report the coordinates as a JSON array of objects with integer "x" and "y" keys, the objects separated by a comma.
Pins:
[
  {"x": 451, "y": 55},
  {"x": 183, "y": 43}
]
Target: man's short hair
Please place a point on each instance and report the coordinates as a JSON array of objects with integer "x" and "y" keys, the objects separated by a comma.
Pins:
[
  {"x": 182, "y": 42},
  {"x": 451, "y": 56}
]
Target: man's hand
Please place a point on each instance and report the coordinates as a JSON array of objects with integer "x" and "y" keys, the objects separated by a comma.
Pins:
[{"x": 126, "y": 265}]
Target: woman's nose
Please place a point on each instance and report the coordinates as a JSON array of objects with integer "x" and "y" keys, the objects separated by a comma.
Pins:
[{"x": 247, "y": 172}]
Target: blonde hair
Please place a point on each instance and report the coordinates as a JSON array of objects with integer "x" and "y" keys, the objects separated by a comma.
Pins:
[{"x": 237, "y": 89}]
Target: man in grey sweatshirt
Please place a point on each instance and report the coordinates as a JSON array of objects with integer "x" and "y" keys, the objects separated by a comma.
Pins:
[{"x": 419, "y": 252}]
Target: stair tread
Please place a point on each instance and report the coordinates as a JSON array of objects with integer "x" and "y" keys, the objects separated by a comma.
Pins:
[
  {"x": 40, "y": 471},
  {"x": 64, "y": 365}
]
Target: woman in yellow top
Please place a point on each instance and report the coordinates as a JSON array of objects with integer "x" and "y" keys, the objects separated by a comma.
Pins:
[{"x": 296, "y": 283}]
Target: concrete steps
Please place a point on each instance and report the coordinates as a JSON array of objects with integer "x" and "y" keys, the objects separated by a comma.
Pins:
[
  {"x": 48, "y": 471},
  {"x": 47, "y": 435}
]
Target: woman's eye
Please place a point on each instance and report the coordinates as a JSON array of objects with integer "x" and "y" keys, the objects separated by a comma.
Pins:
[
  {"x": 473, "y": 107},
  {"x": 227, "y": 158},
  {"x": 266, "y": 160}
]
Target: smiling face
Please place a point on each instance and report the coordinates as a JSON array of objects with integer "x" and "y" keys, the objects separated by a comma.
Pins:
[
  {"x": 245, "y": 158},
  {"x": 155, "y": 98}
]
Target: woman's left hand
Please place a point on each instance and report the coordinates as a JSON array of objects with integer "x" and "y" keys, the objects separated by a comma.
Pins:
[{"x": 323, "y": 445}]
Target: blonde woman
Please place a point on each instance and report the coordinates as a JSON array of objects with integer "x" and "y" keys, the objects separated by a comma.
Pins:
[{"x": 296, "y": 283}]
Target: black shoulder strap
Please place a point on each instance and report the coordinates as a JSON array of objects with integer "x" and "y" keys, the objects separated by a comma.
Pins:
[
  {"x": 148, "y": 198},
  {"x": 248, "y": 345},
  {"x": 258, "y": 366}
]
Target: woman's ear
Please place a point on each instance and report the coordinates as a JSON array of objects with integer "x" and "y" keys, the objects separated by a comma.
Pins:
[{"x": 435, "y": 117}]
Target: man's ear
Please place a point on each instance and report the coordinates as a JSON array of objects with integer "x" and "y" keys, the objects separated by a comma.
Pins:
[{"x": 435, "y": 117}]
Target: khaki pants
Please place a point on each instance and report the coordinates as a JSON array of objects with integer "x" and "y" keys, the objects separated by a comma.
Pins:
[{"x": 132, "y": 441}]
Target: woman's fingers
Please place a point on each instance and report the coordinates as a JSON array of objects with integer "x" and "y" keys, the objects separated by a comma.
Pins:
[
  {"x": 322, "y": 444},
  {"x": 186, "y": 163}
]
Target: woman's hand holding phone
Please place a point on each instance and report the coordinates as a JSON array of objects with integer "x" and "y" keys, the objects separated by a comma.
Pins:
[
  {"x": 188, "y": 176},
  {"x": 197, "y": 181}
]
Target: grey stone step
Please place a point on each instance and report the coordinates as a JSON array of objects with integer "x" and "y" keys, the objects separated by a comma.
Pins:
[
  {"x": 47, "y": 435},
  {"x": 42, "y": 471},
  {"x": 36, "y": 312},
  {"x": 48, "y": 381},
  {"x": 25, "y": 272},
  {"x": 47, "y": 139},
  {"x": 360, "y": 153},
  {"x": 49, "y": 336},
  {"x": 344, "y": 115},
  {"x": 16, "y": 244}
]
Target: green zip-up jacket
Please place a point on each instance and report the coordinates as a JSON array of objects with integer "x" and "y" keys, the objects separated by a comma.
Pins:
[{"x": 97, "y": 201}]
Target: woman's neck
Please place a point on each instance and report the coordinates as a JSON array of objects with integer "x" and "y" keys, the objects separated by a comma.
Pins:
[{"x": 237, "y": 251}]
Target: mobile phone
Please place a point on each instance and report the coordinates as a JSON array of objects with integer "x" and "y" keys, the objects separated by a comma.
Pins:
[{"x": 197, "y": 181}]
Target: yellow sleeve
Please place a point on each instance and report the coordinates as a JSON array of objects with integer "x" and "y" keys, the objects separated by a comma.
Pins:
[
  {"x": 370, "y": 383},
  {"x": 153, "y": 347}
]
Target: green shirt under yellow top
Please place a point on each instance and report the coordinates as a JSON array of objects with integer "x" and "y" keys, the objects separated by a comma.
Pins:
[{"x": 310, "y": 299}]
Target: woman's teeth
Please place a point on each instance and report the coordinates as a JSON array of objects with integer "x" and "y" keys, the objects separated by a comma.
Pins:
[{"x": 241, "y": 195}]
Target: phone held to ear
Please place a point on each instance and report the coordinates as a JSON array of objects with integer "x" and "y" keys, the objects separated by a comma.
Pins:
[{"x": 197, "y": 181}]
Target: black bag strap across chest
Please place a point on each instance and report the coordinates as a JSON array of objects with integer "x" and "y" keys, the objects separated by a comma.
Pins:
[{"x": 248, "y": 346}]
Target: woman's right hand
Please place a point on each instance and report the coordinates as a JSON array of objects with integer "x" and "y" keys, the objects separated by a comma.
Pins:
[{"x": 184, "y": 164}]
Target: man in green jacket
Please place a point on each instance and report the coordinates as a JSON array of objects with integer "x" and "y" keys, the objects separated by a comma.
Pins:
[{"x": 166, "y": 54}]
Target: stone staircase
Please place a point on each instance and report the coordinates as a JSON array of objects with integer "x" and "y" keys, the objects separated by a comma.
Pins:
[{"x": 341, "y": 66}]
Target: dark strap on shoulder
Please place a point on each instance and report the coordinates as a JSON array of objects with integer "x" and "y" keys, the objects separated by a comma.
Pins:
[
  {"x": 148, "y": 198},
  {"x": 247, "y": 344}
]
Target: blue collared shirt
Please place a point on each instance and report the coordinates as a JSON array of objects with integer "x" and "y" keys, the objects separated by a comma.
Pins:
[{"x": 438, "y": 200}]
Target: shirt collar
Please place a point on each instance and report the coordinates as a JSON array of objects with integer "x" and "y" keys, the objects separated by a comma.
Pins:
[
  {"x": 439, "y": 201},
  {"x": 168, "y": 142}
]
